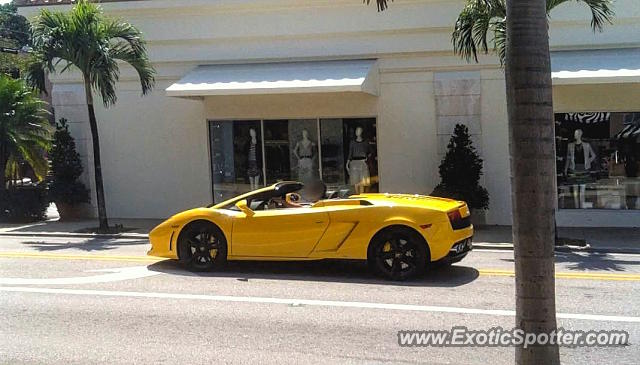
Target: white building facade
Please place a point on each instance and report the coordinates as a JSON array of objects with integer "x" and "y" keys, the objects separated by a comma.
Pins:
[{"x": 230, "y": 70}]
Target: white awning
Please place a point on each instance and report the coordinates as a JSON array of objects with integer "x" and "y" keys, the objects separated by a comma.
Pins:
[
  {"x": 595, "y": 66},
  {"x": 278, "y": 78}
]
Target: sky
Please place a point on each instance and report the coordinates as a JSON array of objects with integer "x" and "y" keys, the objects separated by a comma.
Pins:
[{"x": 4, "y": 1}]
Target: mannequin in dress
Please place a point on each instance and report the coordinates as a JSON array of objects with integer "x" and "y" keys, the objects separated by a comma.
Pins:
[
  {"x": 580, "y": 155},
  {"x": 357, "y": 162},
  {"x": 305, "y": 152},
  {"x": 253, "y": 155}
]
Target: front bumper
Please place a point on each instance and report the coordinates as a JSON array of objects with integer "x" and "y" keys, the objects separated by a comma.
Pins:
[
  {"x": 458, "y": 251},
  {"x": 163, "y": 241}
]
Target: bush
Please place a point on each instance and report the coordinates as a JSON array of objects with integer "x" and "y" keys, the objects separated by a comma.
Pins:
[
  {"x": 460, "y": 172},
  {"x": 25, "y": 203},
  {"x": 66, "y": 168}
]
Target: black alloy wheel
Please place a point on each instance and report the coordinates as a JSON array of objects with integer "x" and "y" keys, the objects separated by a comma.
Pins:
[
  {"x": 398, "y": 253},
  {"x": 202, "y": 246}
]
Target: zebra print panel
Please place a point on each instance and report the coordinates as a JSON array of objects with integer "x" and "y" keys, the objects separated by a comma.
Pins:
[{"x": 588, "y": 118}]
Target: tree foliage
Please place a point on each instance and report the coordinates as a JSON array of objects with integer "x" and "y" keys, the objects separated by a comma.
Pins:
[
  {"x": 482, "y": 25},
  {"x": 460, "y": 171},
  {"x": 25, "y": 132},
  {"x": 14, "y": 34},
  {"x": 66, "y": 168},
  {"x": 14, "y": 27},
  {"x": 87, "y": 40}
]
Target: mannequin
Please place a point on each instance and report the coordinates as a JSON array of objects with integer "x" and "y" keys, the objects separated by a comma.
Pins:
[
  {"x": 357, "y": 162},
  {"x": 254, "y": 159},
  {"x": 305, "y": 152},
  {"x": 580, "y": 155}
]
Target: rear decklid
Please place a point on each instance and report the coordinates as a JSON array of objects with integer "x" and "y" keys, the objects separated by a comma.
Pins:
[{"x": 415, "y": 200}]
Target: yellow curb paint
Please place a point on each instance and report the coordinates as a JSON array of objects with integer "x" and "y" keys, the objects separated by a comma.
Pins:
[
  {"x": 569, "y": 275},
  {"x": 482, "y": 272},
  {"x": 48, "y": 256}
]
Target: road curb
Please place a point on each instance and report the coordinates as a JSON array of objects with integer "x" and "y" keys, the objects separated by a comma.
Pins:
[
  {"x": 75, "y": 235},
  {"x": 588, "y": 249}
]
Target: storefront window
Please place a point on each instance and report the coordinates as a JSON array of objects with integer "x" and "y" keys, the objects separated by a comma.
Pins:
[
  {"x": 236, "y": 157},
  {"x": 597, "y": 160},
  {"x": 342, "y": 152}
]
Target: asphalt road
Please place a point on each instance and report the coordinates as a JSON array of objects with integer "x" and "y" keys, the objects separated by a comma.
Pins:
[{"x": 98, "y": 301}]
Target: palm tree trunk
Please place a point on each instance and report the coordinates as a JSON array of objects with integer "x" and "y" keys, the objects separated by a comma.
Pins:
[
  {"x": 3, "y": 181},
  {"x": 533, "y": 174},
  {"x": 97, "y": 167}
]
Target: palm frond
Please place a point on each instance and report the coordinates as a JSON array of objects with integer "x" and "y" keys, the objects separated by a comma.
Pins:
[
  {"x": 499, "y": 27},
  {"x": 601, "y": 11},
  {"x": 382, "y": 4},
  {"x": 128, "y": 46},
  {"x": 25, "y": 132},
  {"x": 35, "y": 74},
  {"x": 87, "y": 40},
  {"x": 477, "y": 18},
  {"x": 139, "y": 61}
]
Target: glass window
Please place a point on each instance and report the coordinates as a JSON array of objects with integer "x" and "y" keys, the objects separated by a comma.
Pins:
[
  {"x": 597, "y": 160},
  {"x": 303, "y": 139},
  {"x": 246, "y": 155},
  {"x": 360, "y": 154},
  {"x": 277, "y": 150},
  {"x": 236, "y": 157}
]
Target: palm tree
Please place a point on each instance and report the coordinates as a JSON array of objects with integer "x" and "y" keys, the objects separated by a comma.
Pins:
[
  {"x": 521, "y": 38},
  {"x": 533, "y": 172},
  {"x": 25, "y": 132},
  {"x": 479, "y": 18},
  {"x": 86, "y": 40}
]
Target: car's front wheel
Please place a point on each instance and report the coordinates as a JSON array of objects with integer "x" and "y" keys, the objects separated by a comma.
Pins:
[
  {"x": 397, "y": 253},
  {"x": 202, "y": 246}
]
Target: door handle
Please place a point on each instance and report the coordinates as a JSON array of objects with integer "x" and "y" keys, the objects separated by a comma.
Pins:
[{"x": 319, "y": 222}]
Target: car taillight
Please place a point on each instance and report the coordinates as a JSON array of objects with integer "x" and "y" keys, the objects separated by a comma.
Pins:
[{"x": 454, "y": 217}]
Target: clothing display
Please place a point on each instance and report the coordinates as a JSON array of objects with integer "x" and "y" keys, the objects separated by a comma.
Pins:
[
  {"x": 596, "y": 160},
  {"x": 579, "y": 156},
  {"x": 305, "y": 169},
  {"x": 250, "y": 154},
  {"x": 253, "y": 167},
  {"x": 358, "y": 150},
  {"x": 359, "y": 172},
  {"x": 305, "y": 150},
  {"x": 579, "y": 153}
]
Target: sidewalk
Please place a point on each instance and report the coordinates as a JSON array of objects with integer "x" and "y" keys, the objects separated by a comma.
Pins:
[
  {"x": 133, "y": 228},
  {"x": 619, "y": 240}
]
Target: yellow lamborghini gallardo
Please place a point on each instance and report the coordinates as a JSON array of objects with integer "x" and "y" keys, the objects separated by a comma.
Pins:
[{"x": 398, "y": 234}]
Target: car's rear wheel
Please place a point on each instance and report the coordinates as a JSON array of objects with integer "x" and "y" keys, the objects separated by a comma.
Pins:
[
  {"x": 202, "y": 246},
  {"x": 398, "y": 253}
]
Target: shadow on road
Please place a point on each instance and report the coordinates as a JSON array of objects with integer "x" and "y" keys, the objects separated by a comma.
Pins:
[
  {"x": 594, "y": 261},
  {"x": 339, "y": 271},
  {"x": 92, "y": 244},
  {"x": 591, "y": 261}
]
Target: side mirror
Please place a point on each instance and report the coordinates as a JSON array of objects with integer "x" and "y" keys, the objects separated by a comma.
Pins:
[{"x": 242, "y": 205}]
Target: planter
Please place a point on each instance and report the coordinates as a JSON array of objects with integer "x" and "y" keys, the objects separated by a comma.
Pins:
[
  {"x": 478, "y": 217},
  {"x": 69, "y": 212}
]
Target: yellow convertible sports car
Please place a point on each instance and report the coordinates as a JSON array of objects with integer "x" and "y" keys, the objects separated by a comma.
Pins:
[{"x": 398, "y": 234}]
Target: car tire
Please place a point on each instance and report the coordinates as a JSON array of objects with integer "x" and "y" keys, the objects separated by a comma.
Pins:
[
  {"x": 202, "y": 246},
  {"x": 398, "y": 253}
]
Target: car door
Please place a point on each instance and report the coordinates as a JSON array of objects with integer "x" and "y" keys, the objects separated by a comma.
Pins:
[{"x": 287, "y": 232}]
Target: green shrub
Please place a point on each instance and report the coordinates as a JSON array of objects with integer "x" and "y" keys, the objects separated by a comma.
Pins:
[
  {"x": 460, "y": 172},
  {"x": 24, "y": 203},
  {"x": 66, "y": 168}
]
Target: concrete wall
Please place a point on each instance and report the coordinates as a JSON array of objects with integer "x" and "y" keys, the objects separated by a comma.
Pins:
[{"x": 155, "y": 149}]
